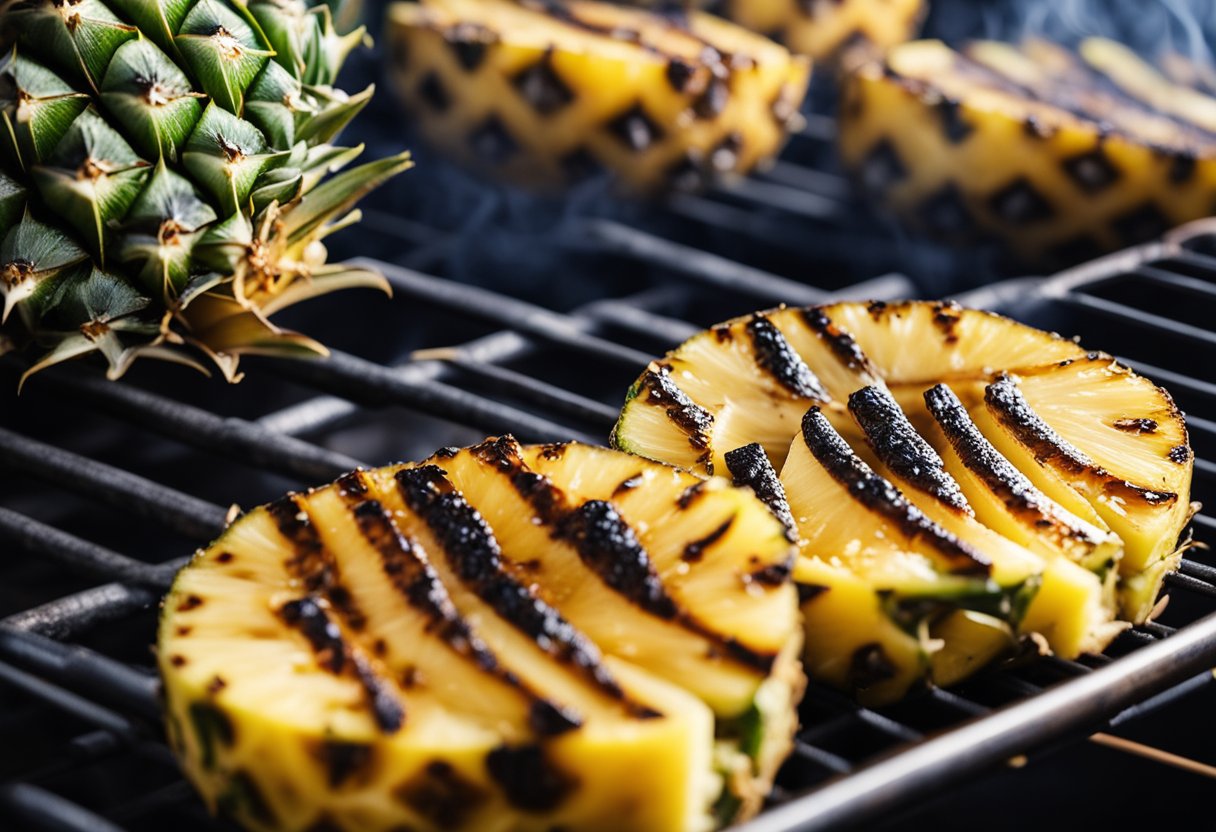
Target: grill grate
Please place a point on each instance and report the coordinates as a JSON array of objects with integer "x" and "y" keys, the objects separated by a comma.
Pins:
[{"x": 118, "y": 502}]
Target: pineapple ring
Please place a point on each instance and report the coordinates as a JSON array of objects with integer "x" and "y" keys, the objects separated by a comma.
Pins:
[
  {"x": 1029, "y": 146},
  {"x": 1063, "y": 473},
  {"x": 499, "y": 637},
  {"x": 543, "y": 95}
]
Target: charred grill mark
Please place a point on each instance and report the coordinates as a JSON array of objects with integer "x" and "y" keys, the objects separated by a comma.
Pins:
[
  {"x": 441, "y": 795},
  {"x": 775, "y": 574},
  {"x": 190, "y": 602},
  {"x": 308, "y": 616},
  {"x": 775, "y": 355},
  {"x": 1180, "y": 454},
  {"x": 695, "y": 421},
  {"x": 679, "y": 74},
  {"x": 999, "y": 476},
  {"x": 529, "y": 780},
  {"x": 475, "y": 556},
  {"x": 554, "y": 451},
  {"x": 809, "y": 592},
  {"x": 881, "y": 497},
  {"x": 470, "y": 42},
  {"x": 1006, "y": 402},
  {"x": 946, "y": 317},
  {"x": 628, "y": 484},
  {"x": 840, "y": 342},
  {"x": 870, "y": 666},
  {"x": 343, "y": 760},
  {"x": 750, "y": 466},
  {"x": 311, "y": 562},
  {"x": 610, "y": 549},
  {"x": 695, "y": 550},
  {"x": 411, "y": 574},
  {"x": 1136, "y": 426},
  {"x": 690, "y": 495},
  {"x": 902, "y": 449}
]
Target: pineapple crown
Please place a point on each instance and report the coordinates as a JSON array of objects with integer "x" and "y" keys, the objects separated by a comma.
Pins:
[{"x": 168, "y": 174}]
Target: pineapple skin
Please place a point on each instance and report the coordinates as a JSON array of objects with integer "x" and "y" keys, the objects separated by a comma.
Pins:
[
  {"x": 1053, "y": 190},
  {"x": 275, "y": 742},
  {"x": 516, "y": 94},
  {"x": 172, "y": 164}
]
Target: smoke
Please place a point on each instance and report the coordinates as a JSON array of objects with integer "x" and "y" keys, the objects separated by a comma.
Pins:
[{"x": 1154, "y": 28}]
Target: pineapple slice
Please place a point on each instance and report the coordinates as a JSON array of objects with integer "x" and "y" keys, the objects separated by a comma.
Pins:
[
  {"x": 544, "y": 94},
  {"x": 824, "y": 30},
  {"x": 1060, "y": 156},
  {"x": 1119, "y": 441},
  {"x": 1070, "y": 606},
  {"x": 1054, "y": 550},
  {"x": 381, "y": 654}
]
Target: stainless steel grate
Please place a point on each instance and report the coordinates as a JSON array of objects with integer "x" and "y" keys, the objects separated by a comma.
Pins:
[{"x": 103, "y": 486}]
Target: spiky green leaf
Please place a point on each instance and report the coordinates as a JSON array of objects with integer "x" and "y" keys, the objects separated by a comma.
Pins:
[
  {"x": 222, "y": 51},
  {"x": 305, "y": 40},
  {"x": 79, "y": 37},
  {"x": 335, "y": 111},
  {"x": 91, "y": 179},
  {"x": 33, "y": 256},
  {"x": 222, "y": 248},
  {"x": 161, "y": 229},
  {"x": 38, "y": 107},
  {"x": 225, "y": 155},
  {"x": 275, "y": 103},
  {"x": 12, "y": 203},
  {"x": 159, "y": 20},
  {"x": 339, "y": 194},
  {"x": 151, "y": 99}
]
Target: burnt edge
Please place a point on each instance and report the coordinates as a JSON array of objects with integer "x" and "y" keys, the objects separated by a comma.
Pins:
[
  {"x": 476, "y": 558},
  {"x": 750, "y": 466},
  {"x": 883, "y": 498},
  {"x": 998, "y": 474},
  {"x": 1007, "y": 403},
  {"x": 902, "y": 449},
  {"x": 411, "y": 574},
  {"x": 777, "y": 357}
]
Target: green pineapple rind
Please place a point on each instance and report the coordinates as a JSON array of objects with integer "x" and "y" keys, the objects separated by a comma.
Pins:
[{"x": 180, "y": 146}]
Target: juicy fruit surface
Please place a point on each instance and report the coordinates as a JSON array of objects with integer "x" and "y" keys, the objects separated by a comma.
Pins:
[
  {"x": 1060, "y": 155},
  {"x": 165, "y": 176},
  {"x": 547, "y": 94},
  {"x": 495, "y": 638},
  {"x": 825, "y": 30},
  {"x": 964, "y": 478}
]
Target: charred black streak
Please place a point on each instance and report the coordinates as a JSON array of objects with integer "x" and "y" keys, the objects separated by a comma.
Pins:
[
  {"x": 750, "y": 466},
  {"x": 628, "y": 484},
  {"x": 529, "y": 779},
  {"x": 902, "y": 449},
  {"x": 1136, "y": 426},
  {"x": 690, "y": 495},
  {"x": 946, "y": 317},
  {"x": 311, "y": 562},
  {"x": 343, "y": 761},
  {"x": 776, "y": 357},
  {"x": 308, "y": 616},
  {"x": 881, "y": 497},
  {"x": 442, "y": 795},
  {"x": 190, "y": 602},
  {"x": 870, "y": 666},
  {"x": 695, "y": 550},
  {"x": 695, "y": 421},
  {"x": 841, "y": 342},
  {"x": 476, "y": 558},
  {"x": 1180, "y": 454},
  {"x": 809, "y": 592},
  {"x": 775, "y": 574}
]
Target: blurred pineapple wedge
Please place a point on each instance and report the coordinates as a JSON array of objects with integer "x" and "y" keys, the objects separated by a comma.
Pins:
[
  {"x": 956, "y": 480},
  {"x": 1059, "y": 155},
  {"x": 824, "y": 31},
  {"x": 507, "y": 637},
  {"x": 163, "y": 176},
  {"x": 544, "y": 94}
]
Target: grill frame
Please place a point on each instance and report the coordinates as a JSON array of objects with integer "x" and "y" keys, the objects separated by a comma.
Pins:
[{"x": 489, "y": 384}]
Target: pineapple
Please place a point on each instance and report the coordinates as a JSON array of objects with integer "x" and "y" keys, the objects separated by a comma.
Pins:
[
  {"x": 163, "y": 176},
  {"x": 1060, "y": 156},
  {"x": 956, "y": 480},
  {"x": 822, "y": 29},
  {"x": 499, "y": 637},
  {"x": 545, "y": 94}
]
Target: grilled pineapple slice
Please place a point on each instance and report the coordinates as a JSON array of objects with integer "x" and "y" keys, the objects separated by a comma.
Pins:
[
  {"x": 1061, "y": 156},
  {"x": 991, "y": 442},
  {"x": 824, "y": 29},
  {"x": 474, "y": 642},
  {"x": 544, "y": 94}
]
